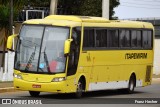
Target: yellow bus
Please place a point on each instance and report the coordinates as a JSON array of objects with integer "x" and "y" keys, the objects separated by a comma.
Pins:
[{"x": 77, "y": 54}]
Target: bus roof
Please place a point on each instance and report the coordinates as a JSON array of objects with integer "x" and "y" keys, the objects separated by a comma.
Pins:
[{"x": 68, "y": 20}]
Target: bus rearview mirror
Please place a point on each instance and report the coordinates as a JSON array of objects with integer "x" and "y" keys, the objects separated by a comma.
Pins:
[
  {"x": 67, "y": 45},
  {"x": 10, "y": 42}
]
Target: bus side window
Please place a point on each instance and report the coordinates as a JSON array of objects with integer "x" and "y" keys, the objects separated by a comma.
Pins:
[
  {"x": 74, "y": 52},
  {"x": 125, "y": 38},
  {"x": 136, "y": 39},
  {"x": 139, "y": 39},
  {"x": 113, "y": 38},
  {"x": 150, "y": 39},
  {"x": 101, "y": 38},
  {"x": 88, "y": 39},
  {"x": 147, "y": 39}
]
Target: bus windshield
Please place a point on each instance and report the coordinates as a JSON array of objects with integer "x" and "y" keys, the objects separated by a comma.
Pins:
[{"x": 40, "y": 49}]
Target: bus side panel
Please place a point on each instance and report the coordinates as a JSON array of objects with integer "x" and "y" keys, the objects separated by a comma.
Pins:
[{"x": 114, "y": 68}]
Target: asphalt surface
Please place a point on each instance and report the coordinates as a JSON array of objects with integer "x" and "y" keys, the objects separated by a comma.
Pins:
[
  {"x": 107, "y": 98},
  {"x": 152, "y": 91}
]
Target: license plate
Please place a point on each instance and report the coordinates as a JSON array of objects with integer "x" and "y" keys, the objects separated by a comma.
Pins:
[{"x": 36, "y": 86}]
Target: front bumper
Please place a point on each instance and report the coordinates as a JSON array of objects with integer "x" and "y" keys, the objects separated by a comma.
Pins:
[{"x": 57, "y": 87}]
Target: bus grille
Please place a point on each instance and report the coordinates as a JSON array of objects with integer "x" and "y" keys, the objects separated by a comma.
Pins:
[{"x": 148, "y": 74}]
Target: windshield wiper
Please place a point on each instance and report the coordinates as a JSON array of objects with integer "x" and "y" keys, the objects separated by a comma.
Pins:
[
  {"x": 46, "y": 60},
  {"x": 30, "y": 60}
]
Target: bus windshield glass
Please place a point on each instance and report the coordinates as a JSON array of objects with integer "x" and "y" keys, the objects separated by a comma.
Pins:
[{"x": 40, "y": 49}]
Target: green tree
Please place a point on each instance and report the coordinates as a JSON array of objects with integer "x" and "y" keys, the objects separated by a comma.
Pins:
[
  {"x": 113, "y": 4},
  {"x": 70, "y": 7},
  {"x": 18, "y": 5},
  {"x": 86, "y": 7},
  {"x": 91, "y": 8},
  {"x": 4, "y": 23},
  {"x": 39, "y": 3},
  {"x": 4, "y": 26}
]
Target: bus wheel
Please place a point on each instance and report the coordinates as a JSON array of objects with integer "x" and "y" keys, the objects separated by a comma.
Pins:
[
  {"x": 131, "y": 84},
  {"x": 79, "y": 90},
  {"x": 34, "y": 93}
]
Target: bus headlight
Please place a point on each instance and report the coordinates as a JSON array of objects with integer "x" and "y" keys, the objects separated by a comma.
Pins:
[
  {"x": 18, "y": 76},
  {"x": 58, "y": 79}
]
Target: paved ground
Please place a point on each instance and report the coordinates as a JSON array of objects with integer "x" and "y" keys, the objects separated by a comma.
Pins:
[
  {"x": 92, "y": 99},
  {"x": 100, "y": 97}
]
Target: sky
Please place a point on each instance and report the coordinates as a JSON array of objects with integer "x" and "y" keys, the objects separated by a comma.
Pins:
[{"x": 138, "y": 9}]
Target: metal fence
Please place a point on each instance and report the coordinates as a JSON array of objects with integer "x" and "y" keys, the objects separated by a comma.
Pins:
[
  {"x": 36, "y": 13},
  {"x": 32, "y": 13}
]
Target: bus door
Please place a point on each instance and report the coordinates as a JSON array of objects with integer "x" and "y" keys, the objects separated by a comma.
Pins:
[{"x": 74, "y": 52}]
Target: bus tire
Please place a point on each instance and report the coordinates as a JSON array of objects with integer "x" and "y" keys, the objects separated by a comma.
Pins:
[
  {"x": 131, "y": 85},
  {"x": 34, "y": 93},
  {"x": 80, "y": 89}
]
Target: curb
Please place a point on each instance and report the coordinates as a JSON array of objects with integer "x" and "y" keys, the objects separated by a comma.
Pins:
[
  {"x": 7, "y": 89},
  {"x": 155, "y": 80},
  {"x": 156, "y": 76}
]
